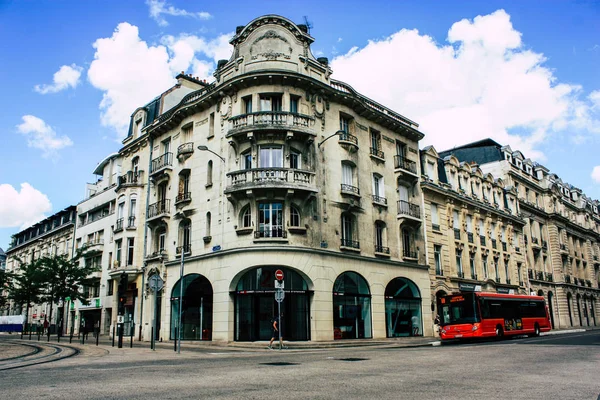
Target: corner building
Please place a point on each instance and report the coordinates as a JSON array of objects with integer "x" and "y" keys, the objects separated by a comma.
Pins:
[{"x": 277, "y": 166}]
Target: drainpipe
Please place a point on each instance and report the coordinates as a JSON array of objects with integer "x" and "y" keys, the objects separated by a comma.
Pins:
[{"x": 145, "y": 241}]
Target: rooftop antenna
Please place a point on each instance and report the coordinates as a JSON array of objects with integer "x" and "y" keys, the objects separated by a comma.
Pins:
[{"x": 308, "y": 24}]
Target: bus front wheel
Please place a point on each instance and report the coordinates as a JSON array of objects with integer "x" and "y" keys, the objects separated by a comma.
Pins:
[{"x": 499, "y": 332}]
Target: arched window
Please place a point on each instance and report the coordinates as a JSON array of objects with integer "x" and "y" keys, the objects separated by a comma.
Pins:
[
  {"x": 184, "y": 186},
  {"x": 408, "y": 244},
  {"x": 160, "y": 236},
  {"x": 294, "y": 216},
  {"x": 209, "y": 173},
  {"x": 403, "y": 308},
  {"x": 378, "y": 189},
  {"x": 135, "y": 165},
  {"x": 351, "y": 307},
  {"x": 132, "y": 211},
  {"x": 196, "y": 310},
  {"x": 208, "y": 224},
  {"x": 246, "y": 217}
]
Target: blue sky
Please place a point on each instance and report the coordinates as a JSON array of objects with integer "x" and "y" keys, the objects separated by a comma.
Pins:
[{"x": 523, "y": 73}]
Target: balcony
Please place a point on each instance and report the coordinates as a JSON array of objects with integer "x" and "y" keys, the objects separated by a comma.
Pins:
[
  {"x": 410, "y": 254},
  {"x": 348, "y": 141},
  {"x": 185, "y": 149},
  {"x": 349, "y": 244},
  {"x": 377, "y": 153},
  {"x": 535, "y": 244},
  {"x": 349, "y": 189},
  {"x": 131, "y": 222},
  {"x": 407, "y": 209},
  {"x": 470, "y": 237},
  {"x": 456, "y": 234},
  {"x": 270, "y": 233},
  {"x": 269, "y": 120},
  {"x": 161, "y": 163},
  {"x": 159, "y": 209},
  {"x": 118, "y": 225},
  {"x": 482, "y": 240},
  {"x": 269, "y": 179},
  {"x": 378, "y": 200},
  {"x": 402, "y": 163},
  {"x": 131, "y": 178},
  {"x": 183, "y": 198},
  {"x": 381, "y": 250}
]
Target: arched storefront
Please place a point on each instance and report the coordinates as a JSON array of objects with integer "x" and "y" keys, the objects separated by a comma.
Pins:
[
  {"x": 197, "y": 308},
  {"x": 351, "y": 307},
  {"x": 551, "y": 307},
  {"x": 403, "y": 316},
  {"x": 255, "y": 305}
]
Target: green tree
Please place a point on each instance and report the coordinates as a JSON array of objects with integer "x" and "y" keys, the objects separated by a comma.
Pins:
[
  {"x": 27, "y": 285},
  {"x": 5, "y": 281},
  {"x": 65, "y": 277}
]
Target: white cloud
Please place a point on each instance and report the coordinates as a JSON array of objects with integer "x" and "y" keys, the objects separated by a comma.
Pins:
[
  {"x": 483, "y": 84},
  {"x": 24, "y": 208},
  {"x": 131, "y": 73},
  {"x": 67, "y": 76},
  {"x": 596, "y": 174},
  {"x": 159, "y": 8},
  {"x": 41, "y": 136}
]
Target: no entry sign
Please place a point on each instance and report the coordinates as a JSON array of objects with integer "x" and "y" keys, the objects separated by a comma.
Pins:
[{"x": 279, "y": 275}]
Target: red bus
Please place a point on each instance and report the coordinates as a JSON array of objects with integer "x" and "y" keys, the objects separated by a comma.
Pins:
[{"x": 480, "y": 315}]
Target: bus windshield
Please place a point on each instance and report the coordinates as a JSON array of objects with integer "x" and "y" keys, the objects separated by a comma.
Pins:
[{"x": 458, "y": 309}]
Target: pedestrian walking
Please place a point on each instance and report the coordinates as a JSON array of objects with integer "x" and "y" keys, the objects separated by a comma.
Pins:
[
  {"x": 276, "y": 326},
  {"x": 45, "y": 326}
]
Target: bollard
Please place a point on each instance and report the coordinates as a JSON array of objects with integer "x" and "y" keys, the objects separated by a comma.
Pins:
[
  {"x": 83, "y": 338},
  {"x": 113, "y": 341},
  {"x": 152, "y": 338},
  {"x": 48, "y": 334},
  {"x": 97, "y": 337},
  {"x": 38, "y": 336},
  {"x": 131, "y": 341},
  {"x": 71, "y": 335},
  {"x": 29, "y": 332}
]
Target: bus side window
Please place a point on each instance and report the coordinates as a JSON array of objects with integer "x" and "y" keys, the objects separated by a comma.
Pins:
[{"x": 485, "y": 309}]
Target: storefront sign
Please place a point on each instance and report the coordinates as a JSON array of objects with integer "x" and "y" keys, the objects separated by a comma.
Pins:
[
  {"x": 466, "y": 287},
  {"x": 503, "y": 290},
  {"x": 93, "y": 303}
]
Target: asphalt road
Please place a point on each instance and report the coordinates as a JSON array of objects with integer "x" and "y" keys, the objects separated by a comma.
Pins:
[{"x": 550, "y": 367}]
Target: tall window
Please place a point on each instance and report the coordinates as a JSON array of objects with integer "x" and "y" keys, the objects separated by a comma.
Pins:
[
  {"x": 118, "y": 249},
  {"x": 344, "y": 124},
  {"x": 375, "y": 139},
  {"x": 130, "y": 249},
  {"x": 294, "y": 216},
  {"x": 209, "y": 173},
  {"x": 246, "y": 217},
  {"x": 519, "y": 272},
  {"x": 270, "y": 219},
  {"x": 135, "y": 166},
  {"x": 294, "y": 102},
  {"x": 184, "y": 182},
  {"x": 348, "y": 237},
  {"x": 270, "y": 102},
  {"x": 166, "y": 144},
  {"x": 208, "y": 223},
  {"x": 247, "y": 102},
  {"x": 496, "y": 269},
  {"x": 347, "y": 174},
  {"x": 132, "y": 210},
  {"x": 161, "y": 236},
  {"x": 472, "y": 265},
  {"x": 211, "y": 125},
  {"x": 506, "y": 271},
  {"x": 459, "y": 266},
  {"x": 484, "y": 262},
  {"x": 295, "y": 159},
  {"x": 430, "y": 169},
  {"x": 247, "y": 160},
  {"x": 437, "y": 256},
  {"x": 400, "y": 149},
  {"x": 435, "y": 217},
  {"x": 379, "y": 236},
  {"x": 121, "y": 210},
  {"x": 378, "y": 187},
  {"x": 407, "y": 244}
]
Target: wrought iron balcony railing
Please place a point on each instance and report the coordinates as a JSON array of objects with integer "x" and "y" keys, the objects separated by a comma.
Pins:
[
  {"x": 379, "y": 199},
  {"x": 382, "y": 249},
  {"x": 410, "y": 253},
  {"x": 118, "y": 225},
  {"x": 185, "y": 196},
  {"x": 270, "y": 233},
  {"x": 405, "y": 164},
  {"x": 376, "y": 152},
  {"x": 160, "y": 162},
  {"x": 407, "y": 208},
  {"x": 159, "y": 208},
  {"x": 130, "y": 178},
  {"x": 354, "y": 244},
  {"x": 350, "y": 189},
  {"x": 346, "y": 137},
  {"x": 131, "y": 221}
]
